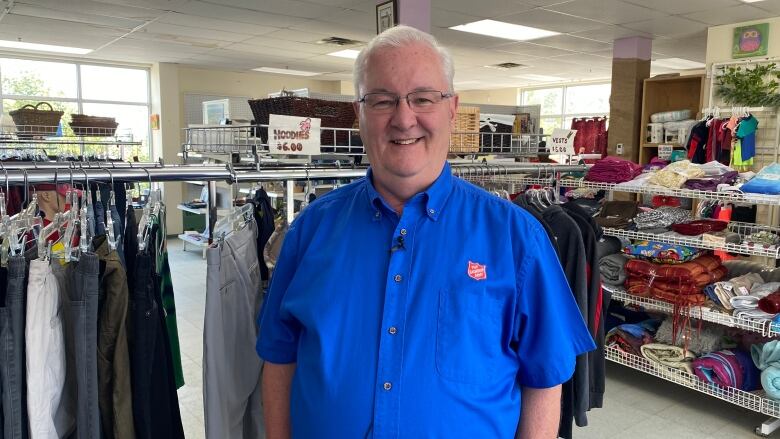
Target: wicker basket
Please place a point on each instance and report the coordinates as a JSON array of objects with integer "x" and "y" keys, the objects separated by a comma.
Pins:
[
  {"x": 466, "y": 121},
  {"x": 93, "y": 126},
  {"x": 333, "y": 115},
  {"x": 30, "y": 121}
]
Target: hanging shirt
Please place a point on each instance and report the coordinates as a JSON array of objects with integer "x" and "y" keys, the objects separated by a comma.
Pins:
[
  {"x": 426, "y": 324},
  {"x": 746, "y": 131},
  {"x": 697, "y": 142}
]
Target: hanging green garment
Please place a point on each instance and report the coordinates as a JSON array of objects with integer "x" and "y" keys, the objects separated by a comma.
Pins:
[
  {"x": 736, "y": 158},
  {"x": 163, "y": 270}
]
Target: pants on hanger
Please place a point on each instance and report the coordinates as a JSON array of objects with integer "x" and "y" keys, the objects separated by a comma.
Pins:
[
  {"x": 45, "y": 345},
  {"x": 155, "y": 402},
  {"x": 130, "y": 247},
  {"x": 12, "y": 356},
  {"x": 231, "y": 389},
  {"x": 115, "y": 394}
]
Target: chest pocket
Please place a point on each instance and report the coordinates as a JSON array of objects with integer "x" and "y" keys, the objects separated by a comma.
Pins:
[{"x": 468, "y": 335}]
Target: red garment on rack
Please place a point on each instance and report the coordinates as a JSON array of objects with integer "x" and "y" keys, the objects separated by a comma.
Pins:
[{"x": 591, "y": 135}]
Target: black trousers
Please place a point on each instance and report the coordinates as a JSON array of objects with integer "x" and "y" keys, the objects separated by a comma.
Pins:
[{"x": 155, "y": 401}]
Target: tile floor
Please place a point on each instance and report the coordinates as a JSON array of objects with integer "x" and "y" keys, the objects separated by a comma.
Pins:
[{"x": 636, "y": 406}]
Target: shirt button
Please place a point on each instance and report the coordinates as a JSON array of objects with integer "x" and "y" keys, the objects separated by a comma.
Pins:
[
  {"x": 431, "y": 211},
  {"x": 403, "y": 231},
  {"x": 377, "y": 215},
  {"x": 392, "y": 330},
  {"x": 397, "y": 278},
  {"x": 388, "y": 386}
]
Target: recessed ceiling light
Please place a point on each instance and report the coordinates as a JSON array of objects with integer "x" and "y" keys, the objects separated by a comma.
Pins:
[
  {"x": 500, "y": 29},
  {"x": 346, "y": 53},
  {"x": 286, "y": 71},
  {"x": 540, "y": 78},
  {"x": 751, "y": 1},
  {"x": 43, "y": 47},
  {"x": 678, "y": 64}
]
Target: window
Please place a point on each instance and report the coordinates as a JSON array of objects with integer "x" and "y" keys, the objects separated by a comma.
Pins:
[
  {"x": 74, "y": 88},
  {"x": 559, "y": 105}
]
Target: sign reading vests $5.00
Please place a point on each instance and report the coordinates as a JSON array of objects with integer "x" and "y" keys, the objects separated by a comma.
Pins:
[
  {"x": 290, "y": 135},
  {"x": 562, "y": 141}
]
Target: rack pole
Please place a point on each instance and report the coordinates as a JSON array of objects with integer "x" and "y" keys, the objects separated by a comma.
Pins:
[{"x": 211, "y": 216}]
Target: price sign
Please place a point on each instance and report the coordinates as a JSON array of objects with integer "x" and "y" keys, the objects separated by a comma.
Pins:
[
  {"x": 292, "y": 135},
  {"x": 562, "y": 141},
  {"x": 665, "y": 152}
]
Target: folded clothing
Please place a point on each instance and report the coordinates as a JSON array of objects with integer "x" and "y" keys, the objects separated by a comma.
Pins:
[
  {"x": 711, "y": 184},
  {"x": 767, "y": 358},
  {"x": 617, "y": 214},
  {"x": 670, "y": 116},
  {"x": 629, "y": 337},
  {"x": 697, "y": 227},
  {"x": 676, "y": 174},
  {"x": 767, "y": 181},
  {"x": 770, "y": 304},
  {"x": 663, "y": 216},
  {"x": 763, "y": 237},
  {"x": 668, "y": 355},
  {"x": 751, "y": 376},
  {"x": 662, "y": 253},
  {"x": 708, "y": 338},
  {"x": 612, "y": 269},
  {"x": 721, "y": 368},
  {"x": 722, "y": 292},
  {"x": 613, "y": 170}
]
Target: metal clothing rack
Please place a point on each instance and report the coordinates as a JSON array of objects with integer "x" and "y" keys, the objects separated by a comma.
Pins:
[{"x": 27, "y": 173}]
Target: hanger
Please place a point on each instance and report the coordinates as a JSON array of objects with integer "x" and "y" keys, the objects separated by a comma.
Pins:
[
  {"x": 110, "y": 238},
  {"x": 144, "y": 222},
  {"x": 86, "y": 197},
  {"x": 237, "y": 217}
]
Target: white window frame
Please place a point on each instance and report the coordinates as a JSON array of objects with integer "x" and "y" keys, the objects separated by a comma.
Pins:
[{"x": 562, "y": 115}]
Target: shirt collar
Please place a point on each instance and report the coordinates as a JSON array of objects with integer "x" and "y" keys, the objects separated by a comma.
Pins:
[{"x": 435, "y": 196}]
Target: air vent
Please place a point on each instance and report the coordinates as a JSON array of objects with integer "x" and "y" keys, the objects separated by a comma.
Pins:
[
  {"x": 338, "y": 41},
  {"x": 506, "y": 65}
]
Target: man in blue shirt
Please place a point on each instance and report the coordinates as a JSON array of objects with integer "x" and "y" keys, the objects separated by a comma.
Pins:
[{"x": 411, "y": 304}]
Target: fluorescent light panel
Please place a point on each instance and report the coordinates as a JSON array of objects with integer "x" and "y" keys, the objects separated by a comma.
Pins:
[
  {"x": 346, "y": 53},
  {"x": 43, "y": 47},
  {"x": 286, "y": 71},
  {"x": 500, "y": 29},
  {"x": 540, "y": 78},
  {"x": 751, "y": 1},
  {"x": 678, "y": 64}
]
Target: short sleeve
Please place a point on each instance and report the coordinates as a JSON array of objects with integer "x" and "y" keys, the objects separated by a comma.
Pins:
[
  {"x": 277, "y": 340},
  {"x": 550, "y": 330}
]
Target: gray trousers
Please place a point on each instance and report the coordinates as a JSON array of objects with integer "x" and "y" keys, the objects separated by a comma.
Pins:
[
  {"x": 12, "y": 357},
  {"x": 78, "y": 283},
  {"x": 231, "y": 367}
]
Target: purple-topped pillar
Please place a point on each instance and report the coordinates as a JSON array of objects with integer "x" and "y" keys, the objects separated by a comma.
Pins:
[
  {"x": 630, "y": 67},
  {"x": 414, "y": 13}
]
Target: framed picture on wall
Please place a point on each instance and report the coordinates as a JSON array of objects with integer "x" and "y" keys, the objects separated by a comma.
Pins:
[
  {"x": 386, "y": 16},
  {"x": 752, "y": 40}
]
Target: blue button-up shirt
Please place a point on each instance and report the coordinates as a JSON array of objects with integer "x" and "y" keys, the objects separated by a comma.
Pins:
[{"x": 421, "y": 325}]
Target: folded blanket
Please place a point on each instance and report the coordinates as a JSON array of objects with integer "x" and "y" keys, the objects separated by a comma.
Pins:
[
  {"x": 662, "y": 253},
  {"x": 697, "y": 227},
  {"x": 617, "y": 214},
  {"x": 662, "y": 217},
  {"x": 770, "y": 304},
  {"x": 767, "y": 358},
  {"x": 709, "y": 338},
  {"x": 613, "y": 170},
  {"x": 720, "y": 367},
  {"x": 763, "y": 290},
  {"x": 629, "y": 337},
  {"x": 751, "y": 375},
  {"x": 667, "y": 355},
  {"x": 612, "y": 269}
]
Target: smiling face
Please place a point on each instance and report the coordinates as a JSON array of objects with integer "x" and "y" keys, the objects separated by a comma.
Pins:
[{"x": 405, "y": 146}]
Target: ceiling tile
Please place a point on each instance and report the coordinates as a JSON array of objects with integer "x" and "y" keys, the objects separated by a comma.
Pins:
[
  {"x": 733, "y": 14},
  {"x": 169, "y": 46},
  {"x": 585, "y": 59},
  {"x": 92, "y": 12},
  {"x": 215, "y": 24},
  {"x": 568, "y": 42},
  {"x": 550, "y": 20},
  {"x": 174, "y": 31},
  {"x": 668, "y": 26},
  {"x": 240, "y": 49},
  {"x": 292, "y": 46},
  {"x": 692, "y": 47},
  {"x": 610, "y": 33},
  {"x": 482, "y": 8},
  {"x": 772, "y": 6},
  {"x": 530, "y": 49},
  {"x": 212, "y": 10},
  {"x": 292, "y": 8},
  {"x": 353, "y": 19},
  {"x": 449, "y": 38},
  {"x": 299, "y": 36},
  {"x": 55, "y": 29},
  {"x": 160, "y": 5},
  {"x": 685, "y": 6},
  {"x": 445, "y": 18},
  {"x": 332, "y": 29},
  {"x": 607, "y": 11}
]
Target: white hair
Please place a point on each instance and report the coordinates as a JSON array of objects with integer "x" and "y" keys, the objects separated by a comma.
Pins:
[{"x": 401, "y": 36}]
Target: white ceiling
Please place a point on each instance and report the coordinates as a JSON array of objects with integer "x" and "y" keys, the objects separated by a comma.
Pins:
[{"x": 244, "y": 34}]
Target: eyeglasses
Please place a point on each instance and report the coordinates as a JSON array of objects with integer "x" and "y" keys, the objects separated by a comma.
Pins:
[{"x": 419, "y": 101}]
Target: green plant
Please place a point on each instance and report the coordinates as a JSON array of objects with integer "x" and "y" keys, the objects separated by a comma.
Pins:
[{"x": 754, "y": 87}]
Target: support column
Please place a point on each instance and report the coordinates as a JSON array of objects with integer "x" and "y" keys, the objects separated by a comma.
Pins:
[
  {"x": 630, "y": 67},
  {"x": 414, "y": 13}
]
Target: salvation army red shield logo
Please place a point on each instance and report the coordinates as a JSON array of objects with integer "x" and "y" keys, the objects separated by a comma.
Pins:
[{"x": 477, "y": 271}]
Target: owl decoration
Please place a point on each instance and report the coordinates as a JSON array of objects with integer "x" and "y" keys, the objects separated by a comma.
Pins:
[{"x": 750, "y": 40}]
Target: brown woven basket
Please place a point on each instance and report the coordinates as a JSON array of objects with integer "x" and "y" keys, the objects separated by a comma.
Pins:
[
  {"x": 94, "y": 126},
  {"x": 30, "y": 121},
  {"x": 332, "y": 113}
]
